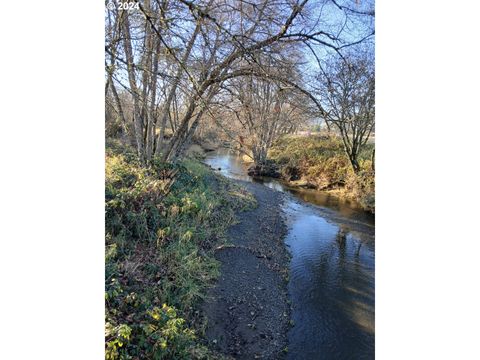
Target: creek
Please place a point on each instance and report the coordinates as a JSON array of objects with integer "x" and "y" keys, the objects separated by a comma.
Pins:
[{"x": 332, "y": 269}]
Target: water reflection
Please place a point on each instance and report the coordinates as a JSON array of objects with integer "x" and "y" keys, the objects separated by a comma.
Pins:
[
  {"x": 228, "y": 163},
  {"x": 332, "y": 285},
  {"x": 332, "y": 289},
  {"x": 232, "y": 166}
]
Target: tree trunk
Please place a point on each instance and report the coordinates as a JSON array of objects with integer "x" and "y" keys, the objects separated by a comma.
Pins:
[
  {"x": 137, "y": 118},
  {"x": 176, "y": 81},
  {"x": 355, "y": 164},
  {"x": 373, "y": 160}
]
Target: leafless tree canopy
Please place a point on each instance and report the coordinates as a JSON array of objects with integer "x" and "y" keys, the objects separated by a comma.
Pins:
[
  {"x": 172, "y": 64},
  {"x": 346, "y": 87}
]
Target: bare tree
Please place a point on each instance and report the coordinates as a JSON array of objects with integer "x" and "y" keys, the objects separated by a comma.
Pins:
[
  {"x": 261, "y": 109},
  {"x": 346, "y": 87},
  {"x": 173, "y": 58}
]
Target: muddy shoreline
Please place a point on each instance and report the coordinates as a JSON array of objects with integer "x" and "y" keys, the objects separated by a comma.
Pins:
[{"x": 248, "y": 310}]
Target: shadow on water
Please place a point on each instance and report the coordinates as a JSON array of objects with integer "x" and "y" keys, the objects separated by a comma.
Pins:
[{"x": 332, "y": 283}]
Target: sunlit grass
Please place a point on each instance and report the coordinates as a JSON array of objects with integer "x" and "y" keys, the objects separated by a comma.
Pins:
[{"x": 320, "y": 161}]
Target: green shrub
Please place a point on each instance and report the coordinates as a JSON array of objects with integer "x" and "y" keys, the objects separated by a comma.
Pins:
[{"x": 159, "y": 334}]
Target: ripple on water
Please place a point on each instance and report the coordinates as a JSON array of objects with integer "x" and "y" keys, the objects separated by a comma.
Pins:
[{"x": 332, "y": 285}]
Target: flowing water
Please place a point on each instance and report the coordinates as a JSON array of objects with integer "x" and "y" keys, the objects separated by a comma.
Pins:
[{"x": 332, "y": 282}]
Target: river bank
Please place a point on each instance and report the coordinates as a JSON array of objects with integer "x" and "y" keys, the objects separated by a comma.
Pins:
[
  {"x": 248, "y": 309},
  {"x": 319, "y": 162},
  {"x": 162, "y": 226},
  {"x": 315, "y": 162}
]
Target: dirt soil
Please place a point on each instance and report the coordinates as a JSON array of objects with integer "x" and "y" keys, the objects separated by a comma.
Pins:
[{"x": 248, "y": 310}]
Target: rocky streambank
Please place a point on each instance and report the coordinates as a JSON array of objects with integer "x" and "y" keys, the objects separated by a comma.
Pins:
[{"x": 248, "y": 309}]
